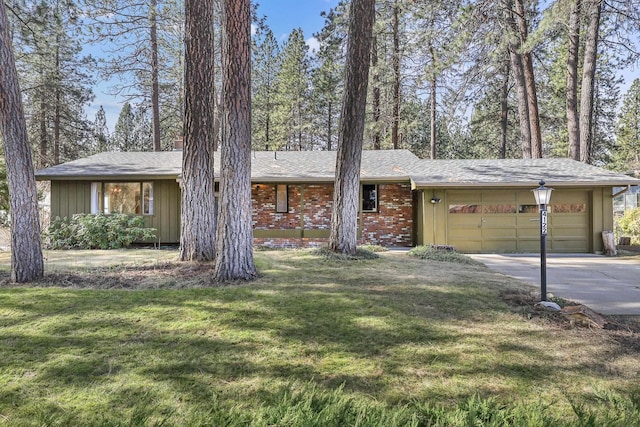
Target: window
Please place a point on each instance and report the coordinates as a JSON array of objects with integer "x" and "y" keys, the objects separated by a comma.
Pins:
[
  {"x": 369, "y": 198},
  {"x": 96, "y": 190},
  {"x": 500, "y": 209},
  {"x": 465, "y": 209},
  {"x": 133, "y": 198},
  {"x": 569, "y": 208},
  {"x": 281, "y": 198},
  {"x": 525, "y": 209}
]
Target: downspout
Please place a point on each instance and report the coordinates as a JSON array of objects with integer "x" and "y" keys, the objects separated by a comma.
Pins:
[{"x": 622, "y": 191}]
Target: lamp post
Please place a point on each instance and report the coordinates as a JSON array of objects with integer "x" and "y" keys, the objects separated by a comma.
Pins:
[{"x": 543, "y": 197}]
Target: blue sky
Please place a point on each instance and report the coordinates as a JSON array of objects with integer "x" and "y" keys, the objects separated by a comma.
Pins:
[{"x": 285, "y": 15}]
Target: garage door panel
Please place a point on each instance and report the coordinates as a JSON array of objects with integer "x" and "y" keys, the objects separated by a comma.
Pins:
[
  {"x": 508, "y": 221},
  {"x": 566, "y": 245},
  {"x": 571, "y": 233},
  {"x": 498, "y": 233},
  {"x": 559, "y": 220},
  {"x": 499, "y": 196},
  {"x": 499, "y": 221},
  {"x": 528, "y": 233},
  {"x": 528, "y": 245},
  {"x": 527, "y": 221},
  {"x": 464, "y": 197},
  {"x": 465, "y": 233},
  {"x": 467, "y": 244},
  {"x": 468, "y": 221},
  {"x": 506, "y": 245}
]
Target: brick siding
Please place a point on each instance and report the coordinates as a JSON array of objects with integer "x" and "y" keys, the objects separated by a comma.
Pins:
[{"x": 310, "y": 207}]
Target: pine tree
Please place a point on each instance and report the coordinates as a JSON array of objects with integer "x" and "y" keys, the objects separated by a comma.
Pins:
[
  {"x": 343, "y": 235},
  {"x": 626, "y": 156},
  {"x": 234, "y": 254},
  {"x": 266, "y": 67},
  {"x": 198, "y": 220},
  {"x": 292, "y": 112},
  {"x": 327, "y": 80},
  {"x": 56, "y": 78},
  {"x": 26, "y": 251},
  {"x": 123, "y": 136},
  {"x": 143, "y": 40},
  {"x": 101, "y": 132}
]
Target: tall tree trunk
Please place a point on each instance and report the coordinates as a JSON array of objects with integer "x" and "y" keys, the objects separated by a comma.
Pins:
[
  {"x": 395, "y": 125},
  {"x": 594, "y": 8},
  {"x": 432, "y": 113},
  {"x": 530, "y": 82},
  {"x": 155, "y": 89},
  {"x": 57, "y": 118},
  {"x": 44, "y": 136},
  {"x": 573, "y": 121},
  {"x": 217, "y": 110},
  {"x": 198, "y": 226},
  {"x": 346, "y": 200},
  {"x": 26, "y": 251},
  {"x": 234, "y": 259},
  {"x": 376, "y": 94},
  {"x": 504, "y": 110},
  {"x": 519, "y": 79},
  {"x": 329, "y": 125},
  {"x": 56, "y": 128}
]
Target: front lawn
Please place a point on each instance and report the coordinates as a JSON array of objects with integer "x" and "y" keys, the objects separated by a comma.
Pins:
[{"x": 145, "y": 341}]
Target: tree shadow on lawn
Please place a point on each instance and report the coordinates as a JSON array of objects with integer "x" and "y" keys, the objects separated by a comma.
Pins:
[{"x": 389, "y": 339}]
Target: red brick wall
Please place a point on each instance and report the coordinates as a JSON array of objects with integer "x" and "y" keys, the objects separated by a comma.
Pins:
[
  {"x": 318, "y": 203},
  {"x": 392, "y": 225},
  {"x": 265, "y": 217}
]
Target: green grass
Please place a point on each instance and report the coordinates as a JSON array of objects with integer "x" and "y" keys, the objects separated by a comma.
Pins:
[
  {"x": 392, "y": 341},
  {"x": 434, "y": 254}
]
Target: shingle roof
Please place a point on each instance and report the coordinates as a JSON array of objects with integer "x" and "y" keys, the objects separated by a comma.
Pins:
[
  {"x": 377, "y": 165},
  {"x": 303, "y": 166},
  {"x": 514, "y": 172},
  {"x": 141, "y": 165},
  {"x": 320, "y": 165}
]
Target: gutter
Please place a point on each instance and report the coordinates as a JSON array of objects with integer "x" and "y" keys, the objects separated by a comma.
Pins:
[
  {"x": 566, "y": 184},
  {"x": 622, "y": 191}
]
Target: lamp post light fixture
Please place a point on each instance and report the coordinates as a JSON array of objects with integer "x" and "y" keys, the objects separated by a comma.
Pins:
[{"x": 543, "y": 197}]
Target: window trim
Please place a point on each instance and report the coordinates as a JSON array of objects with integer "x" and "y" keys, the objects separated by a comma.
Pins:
[
  {"x": 376, "y": 192},
  {"x": 282, "y": 198},
  {"x": 99, "y": 197}
]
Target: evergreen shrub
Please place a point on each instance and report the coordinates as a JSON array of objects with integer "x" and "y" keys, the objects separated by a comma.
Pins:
[
  {"x": 629, "y": 225},
  {"x": 88, "y": 231}
]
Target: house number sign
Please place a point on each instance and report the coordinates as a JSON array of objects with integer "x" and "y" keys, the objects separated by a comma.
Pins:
[{"x": 543, "y": 223}]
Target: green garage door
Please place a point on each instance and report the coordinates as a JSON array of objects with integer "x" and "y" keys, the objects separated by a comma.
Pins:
[{"x": 508, "y": 221}]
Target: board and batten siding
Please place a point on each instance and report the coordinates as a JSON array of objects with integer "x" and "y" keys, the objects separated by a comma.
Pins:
[{"x": 74, "y": 197}]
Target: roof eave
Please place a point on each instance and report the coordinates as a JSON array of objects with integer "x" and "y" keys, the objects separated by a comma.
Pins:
[
  {"x": 424, "y": 185},
  {"x": 105, "y": 177}
]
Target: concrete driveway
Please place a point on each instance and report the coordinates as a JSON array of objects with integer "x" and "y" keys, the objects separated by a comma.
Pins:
[{"x": 607, "y": 285}]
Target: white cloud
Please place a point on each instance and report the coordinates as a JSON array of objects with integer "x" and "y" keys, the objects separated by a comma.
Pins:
[{"x": 313, "y": 43}]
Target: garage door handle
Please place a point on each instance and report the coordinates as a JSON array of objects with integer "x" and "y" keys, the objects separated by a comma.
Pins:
[{"x": 535, "y": 219}]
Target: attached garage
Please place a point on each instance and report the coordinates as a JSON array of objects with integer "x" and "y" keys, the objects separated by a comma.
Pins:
[
  {"x": 508, "y": 221},
  {"x": 487, "y": 206}
]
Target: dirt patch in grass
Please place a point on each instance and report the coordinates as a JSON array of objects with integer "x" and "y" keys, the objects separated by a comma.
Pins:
[
  {"x": 624, "y": 330},
  {"x": 166, "y": 275}
]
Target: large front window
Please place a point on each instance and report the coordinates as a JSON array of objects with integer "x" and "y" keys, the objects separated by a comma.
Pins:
[{"x": 133, "y": 198}]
